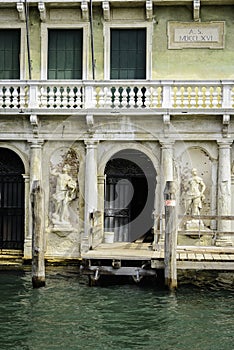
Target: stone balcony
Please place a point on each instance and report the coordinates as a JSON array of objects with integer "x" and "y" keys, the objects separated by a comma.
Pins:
[{"x": 128, "y": 97}]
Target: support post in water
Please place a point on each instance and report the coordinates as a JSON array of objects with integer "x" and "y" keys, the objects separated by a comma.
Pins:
[
  {"x": 38, "y": 262},
  {"x": 170, "y": 245}
]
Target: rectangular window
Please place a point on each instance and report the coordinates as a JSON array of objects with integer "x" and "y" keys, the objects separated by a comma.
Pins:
[
  {"x": 128, "y": 54},
  {"x": 65, "y": 54},
  {"x": 9, "y": 54}
]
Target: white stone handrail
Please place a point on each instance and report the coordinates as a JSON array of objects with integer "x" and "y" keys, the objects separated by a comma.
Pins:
[{"x": 67, "y": 95}]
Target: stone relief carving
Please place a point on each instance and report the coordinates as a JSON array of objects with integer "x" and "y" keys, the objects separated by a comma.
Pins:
[
  {"x": 64, "y": 195},
  {"x": 194, "y": 195},
  {"x": 64, "y": 192},
  {"x": 193, "y": 200}
]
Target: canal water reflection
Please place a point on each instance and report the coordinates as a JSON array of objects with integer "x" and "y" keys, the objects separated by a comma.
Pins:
[{"x": 69, "y": 315}]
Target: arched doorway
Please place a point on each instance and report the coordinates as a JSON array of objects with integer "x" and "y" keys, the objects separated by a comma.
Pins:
[
  {"x": 129, "y": 196},
  {"x": 11, "y": 200}
]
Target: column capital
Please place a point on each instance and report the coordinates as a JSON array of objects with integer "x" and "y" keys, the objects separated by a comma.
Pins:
[
  {"x": 35, "y": 143},
  {"x": 91, "y": 143},
  {"x": 167, "y": 143},
  {"x": 224, "y": 143}
]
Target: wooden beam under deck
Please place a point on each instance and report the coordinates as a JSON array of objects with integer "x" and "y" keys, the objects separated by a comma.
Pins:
[{"x": 188, "y": 257}]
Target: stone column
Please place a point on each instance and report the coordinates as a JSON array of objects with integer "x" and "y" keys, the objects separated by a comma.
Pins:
[
  {"x": 91, "y": 198},
  {"x": 232, "y": 195},
  {"x": 101, "y": 200},
  {"x": 167, "y": 169},
  {"x": 167, "y": 155},
  {"x": 224, "y": 192}
]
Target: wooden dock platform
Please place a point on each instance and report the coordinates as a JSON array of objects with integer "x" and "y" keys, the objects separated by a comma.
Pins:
[{"x": 133, "y": 255}]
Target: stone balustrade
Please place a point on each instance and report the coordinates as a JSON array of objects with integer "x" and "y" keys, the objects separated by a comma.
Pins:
[{"x": 67, "y": 96}]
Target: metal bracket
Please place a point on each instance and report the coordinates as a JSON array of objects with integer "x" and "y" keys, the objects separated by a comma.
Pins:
[
  {"x": 21, "y": 11},
  {"x": 106, "y": 10},
  {"x": 196, "y": 10}
]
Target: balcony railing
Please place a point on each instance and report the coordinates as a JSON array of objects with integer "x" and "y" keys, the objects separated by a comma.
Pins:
[{"x": 115, "y": 95}]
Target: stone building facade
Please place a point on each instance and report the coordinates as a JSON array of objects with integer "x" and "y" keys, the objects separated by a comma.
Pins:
[{"x": 101, "y": 103}]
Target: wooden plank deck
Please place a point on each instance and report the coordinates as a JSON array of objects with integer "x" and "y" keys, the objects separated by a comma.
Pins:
[{"x": 188, "y": 257}]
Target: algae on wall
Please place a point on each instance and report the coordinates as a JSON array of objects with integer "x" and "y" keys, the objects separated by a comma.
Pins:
[{"x": 200, "y": 63}]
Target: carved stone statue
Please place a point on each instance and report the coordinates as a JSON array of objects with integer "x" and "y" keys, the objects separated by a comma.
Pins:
[
  {"x": 194, "y": 195},
  {"x": 64, "y": 195}
]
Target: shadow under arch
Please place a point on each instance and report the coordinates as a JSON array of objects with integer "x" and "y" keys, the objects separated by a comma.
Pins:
[
  {"x": 129, "y": 196},
  {"x": 12, "y": 193}
]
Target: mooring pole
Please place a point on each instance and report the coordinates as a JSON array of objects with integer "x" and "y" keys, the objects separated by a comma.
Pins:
[
  {"x": 38, "y": 263},
  {"x": 170, "y": 245}
]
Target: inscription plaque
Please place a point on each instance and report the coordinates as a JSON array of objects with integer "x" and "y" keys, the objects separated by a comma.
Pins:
[{"x": 182, "y": 35}]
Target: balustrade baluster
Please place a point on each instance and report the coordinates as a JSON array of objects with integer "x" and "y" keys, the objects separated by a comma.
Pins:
[
  {"x": 124, "y": 102},
  {"x": 131, "y": 95},
  {"x": 108, "y": 96},
  {"x": 61, "y": 100},
  {"x": 147, "y": 98},
  {"x": 101, "y": 97},
  {"x": 232, "y": 97},
  {"x": 15, "y": 99},
  {"x": 1, "y": 97},
  {"x": 199, "y": 97},
  {"x": 22, "y": 96},
  {"x": 7, "y": 97},
  {"x": 69, "y": 97},
  {"x": 43, "y": 97},
  {"x": 50, "y": 96},
  {"x": 174, "y": 96},
  {"x": 219, "y": 96},
  {"x": 78, "y": 96}
]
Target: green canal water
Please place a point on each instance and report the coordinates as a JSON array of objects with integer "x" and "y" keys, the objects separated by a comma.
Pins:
[{"x": 67, "y": 314}]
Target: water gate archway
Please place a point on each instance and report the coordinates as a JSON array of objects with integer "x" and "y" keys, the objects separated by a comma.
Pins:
[
  {"x": 129, "y": 196},
  {"x": 11, "y": 200}
]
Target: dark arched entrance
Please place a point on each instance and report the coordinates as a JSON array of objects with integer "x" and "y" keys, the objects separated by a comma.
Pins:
[
  {"x": 129, "y": 196},
  {"x": 11, "y": 200}
]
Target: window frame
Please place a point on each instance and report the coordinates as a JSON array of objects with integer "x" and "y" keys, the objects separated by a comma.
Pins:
[
  {"x": 45, "y": 27},
  {"x": 107, "y": 45},
  {"x": 23, "y": 49}
]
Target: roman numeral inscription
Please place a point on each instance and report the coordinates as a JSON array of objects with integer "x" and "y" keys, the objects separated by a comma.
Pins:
[{"x": 195, "y": 35}]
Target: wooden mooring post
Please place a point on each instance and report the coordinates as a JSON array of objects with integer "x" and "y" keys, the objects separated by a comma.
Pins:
[
  {"x": 38, "y": 262},
  {"x": 170, "y": 244}
]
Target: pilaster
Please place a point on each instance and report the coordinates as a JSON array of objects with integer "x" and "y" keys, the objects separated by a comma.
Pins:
[
  {"x": 91, "y": 198},
  {"x": 224, "y": 192}
]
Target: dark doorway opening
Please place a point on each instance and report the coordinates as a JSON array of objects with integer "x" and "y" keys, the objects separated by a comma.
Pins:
[
  {"x": 129, "y": 196},
  {"x": 11, "y": 200}
]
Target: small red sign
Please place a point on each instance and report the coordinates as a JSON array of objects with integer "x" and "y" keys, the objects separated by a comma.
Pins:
[{"x": 170, "y": 203}]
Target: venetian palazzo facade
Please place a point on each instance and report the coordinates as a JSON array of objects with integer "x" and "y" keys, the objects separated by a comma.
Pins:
[{"x": 101, "y": 103}]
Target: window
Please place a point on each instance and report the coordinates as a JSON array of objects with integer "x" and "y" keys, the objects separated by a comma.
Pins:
[
  {"x": 128, "y": 54},
  {"x": 9, "y": 54},
  {"x": 65, "y": 53}
]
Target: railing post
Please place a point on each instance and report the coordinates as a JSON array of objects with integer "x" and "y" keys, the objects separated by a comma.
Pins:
[
  {"x": 227, "y": 102},
  {"x": 89, "y": 97},
  {"x": 33, "y": 100},
  {"x": 170, "y": 245},
  {"x": 166, "y": 96}
]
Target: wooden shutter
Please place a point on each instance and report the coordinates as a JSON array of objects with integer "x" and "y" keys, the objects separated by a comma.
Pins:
[
  {"x": 65, "y": 54},
  {"x": 128, "y": 54},
  {"x": 9, "y": 54}
]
